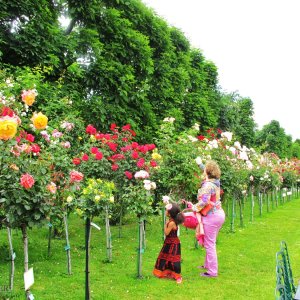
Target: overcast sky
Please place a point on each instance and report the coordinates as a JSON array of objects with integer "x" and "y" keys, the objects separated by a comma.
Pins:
[{"x": 255, "y": 45}]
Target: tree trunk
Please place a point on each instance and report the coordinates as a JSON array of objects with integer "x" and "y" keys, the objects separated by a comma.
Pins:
[
  {"x": 87, "y": 258},
  {"x": 140, "y": 248},
  {"x": 49, "y": 238},
  {"x": 120, "y": 221},
  {"x": 232, "y": 215},
  {"x": 12, "y": 258},
  {"x": 25, "y": 245},
  {"x": 68, "y": 249},
  {"x": 163, "y": 223},
  {"x": 108, "y": 236},
  {"x": 252, "y": 207}
]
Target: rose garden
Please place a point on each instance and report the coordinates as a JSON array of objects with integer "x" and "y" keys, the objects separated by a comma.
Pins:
[
  {"x": 53, "y": 173},
  {"x": 87, "y": 160}
]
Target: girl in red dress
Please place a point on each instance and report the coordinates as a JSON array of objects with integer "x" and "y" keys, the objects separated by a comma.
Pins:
[{"x": 168, "y": 263}]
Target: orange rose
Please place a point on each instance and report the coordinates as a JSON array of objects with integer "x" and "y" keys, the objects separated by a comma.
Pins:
[{"x": 28, "y": 97}]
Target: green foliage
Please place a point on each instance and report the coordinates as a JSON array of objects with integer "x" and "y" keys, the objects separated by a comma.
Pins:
[
  {"x": 178, "y": 174},
  {"x": 272, "y": 138},
  {"x": 236, "y": 115}
]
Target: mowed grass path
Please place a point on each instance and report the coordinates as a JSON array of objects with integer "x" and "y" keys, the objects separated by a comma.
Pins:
[{"x": 246, "y": 261}]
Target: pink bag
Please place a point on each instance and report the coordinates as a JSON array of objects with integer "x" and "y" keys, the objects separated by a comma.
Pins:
[{"x": 190, "y": 219}]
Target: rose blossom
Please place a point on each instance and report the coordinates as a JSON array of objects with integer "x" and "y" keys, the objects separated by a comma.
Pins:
[
  {"x": 141, "y": 174},
  {"x": 27, "y": 181},
  {"x": 166, "y": 199},
  {"x": 75, "y": 176},
  {"x": 76, "y": 161},
  {"x": 51, "y": 187},
  {"x": 128, "y": 174}
]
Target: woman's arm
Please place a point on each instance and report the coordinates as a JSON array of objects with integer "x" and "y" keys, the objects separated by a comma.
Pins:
[{"x": 169, "y": 226}]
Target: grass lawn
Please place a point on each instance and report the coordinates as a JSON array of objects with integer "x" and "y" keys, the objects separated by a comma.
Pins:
[{"x": 246, "y": 261}]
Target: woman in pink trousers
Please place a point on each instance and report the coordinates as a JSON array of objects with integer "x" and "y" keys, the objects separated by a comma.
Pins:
[{"x": 209, "y": 200}]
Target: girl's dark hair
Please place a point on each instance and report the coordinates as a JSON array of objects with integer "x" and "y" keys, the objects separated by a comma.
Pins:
[{"x": 176, "y": 214}]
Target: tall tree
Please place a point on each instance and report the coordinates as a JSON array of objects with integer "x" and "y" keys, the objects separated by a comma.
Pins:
[
  {"x": 236, "y": 115},
  {"x": 272, "y": 138}
]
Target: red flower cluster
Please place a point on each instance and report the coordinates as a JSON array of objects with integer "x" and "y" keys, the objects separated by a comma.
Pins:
[{"x": 117, "y": 147}]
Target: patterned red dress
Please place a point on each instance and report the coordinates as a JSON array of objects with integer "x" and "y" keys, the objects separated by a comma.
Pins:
[{"x": 168, "y": 263}]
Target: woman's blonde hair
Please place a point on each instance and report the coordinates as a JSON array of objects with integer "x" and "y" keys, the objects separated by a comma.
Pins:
[{"x": 212, "y": 169}]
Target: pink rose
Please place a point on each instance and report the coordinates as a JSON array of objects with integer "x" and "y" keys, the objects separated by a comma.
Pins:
[
  {"x": 27, "y": 181},
  {"x": 75, "y": 176}
]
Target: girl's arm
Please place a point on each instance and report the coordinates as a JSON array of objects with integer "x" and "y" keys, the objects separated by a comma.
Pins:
[{"x": 169, "y": 226}]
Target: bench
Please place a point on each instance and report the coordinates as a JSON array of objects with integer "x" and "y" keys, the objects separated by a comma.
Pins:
[{"x": 285, "y": 287}]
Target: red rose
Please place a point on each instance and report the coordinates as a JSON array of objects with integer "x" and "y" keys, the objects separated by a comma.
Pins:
[
  {"x": 128, "y": 174},
  {"x": 99, "y": 156},
  {"x": 126, "y": 127},
  {"x": 114, "y": 167},
  {"x": 107, "y": 136},
  {"x": 35, "y": 148},
  {"x": 112, "y": 146},
  {"x": 201, "y": 137},
  {"x": 94, "y": 150},
  {"x": 143, "y": 148},
  {"x": 85, "y": 157},
  {"x": 153, "y": 163},
  {"x": 113, "y": 126},
  {"x": 30, "y": 137},
  {"x": 140, "y": 163},
  {"x": 118, "y": 156},
  {"x": 27, "y": 181},
  {"x": 151, "y": 147},
  {"x": 132, "y": 132},
  {"x": 126, "y": 148},
  {"x": 134, "y": 145},
  {"x": 76, "y": 161},
  {"x": 90, "y": 129},
  {"x": 99, "y": 136},
  {"x": 135, "y": 155}
]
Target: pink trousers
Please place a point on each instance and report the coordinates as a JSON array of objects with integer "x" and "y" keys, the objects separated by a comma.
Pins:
[{"x": 212, "y": 224}]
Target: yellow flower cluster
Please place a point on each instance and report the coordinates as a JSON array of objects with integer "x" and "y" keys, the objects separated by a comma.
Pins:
[
  {"x": 156, "y": 156},
  {"x": 99, "y": 189}
]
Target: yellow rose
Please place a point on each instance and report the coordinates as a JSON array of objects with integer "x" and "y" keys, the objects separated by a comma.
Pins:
[
  {"x": 69, "y": 199},
  {"x": 39, "y": 120},
  {"x": 156, "y": 156},
  {"x": 14, "y": 167},
  {"x": 111, "y": 199},
  {"x": 97, "y": 198},
  {"x": 8, "y": 127}
]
